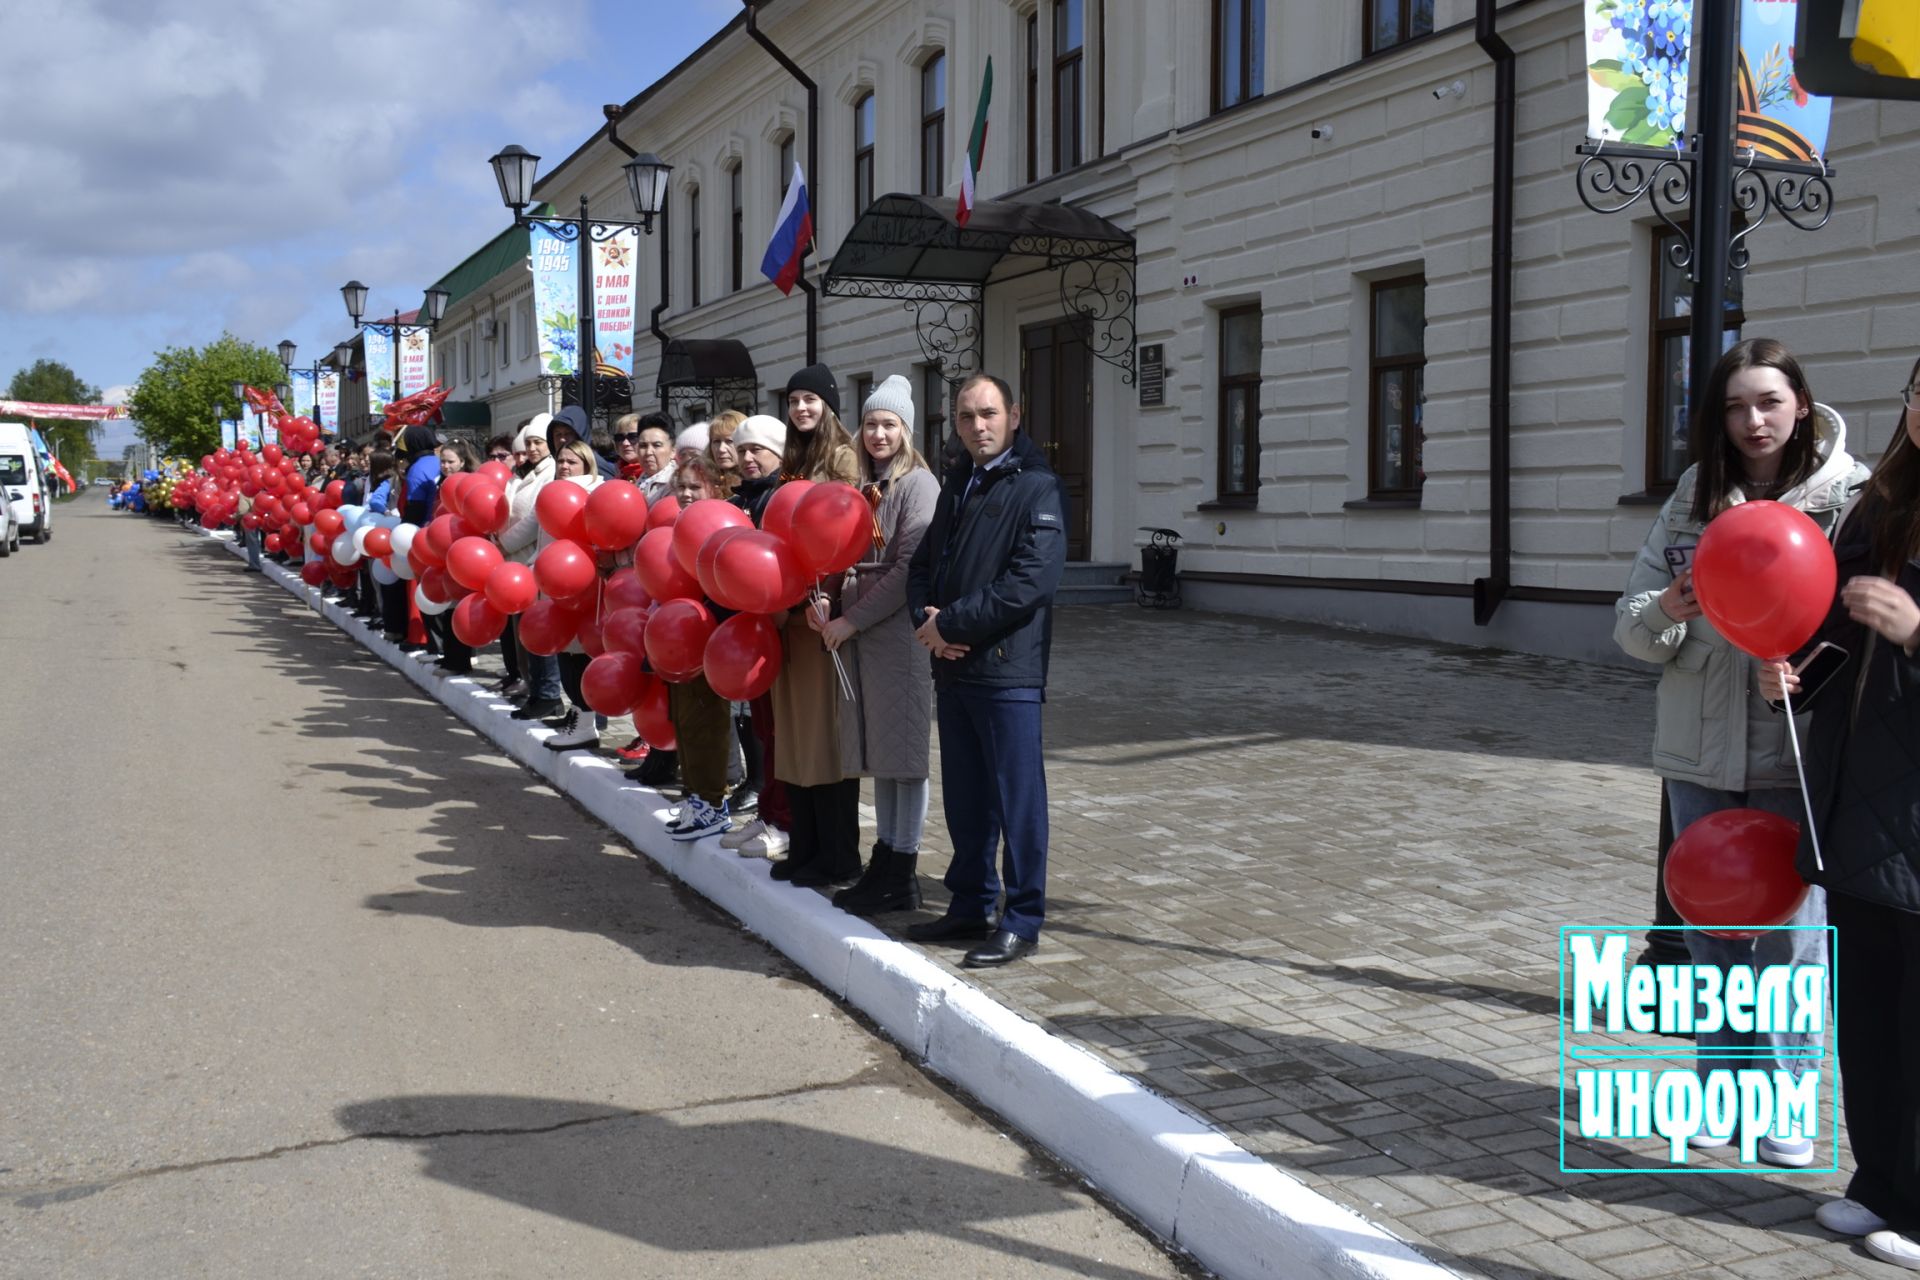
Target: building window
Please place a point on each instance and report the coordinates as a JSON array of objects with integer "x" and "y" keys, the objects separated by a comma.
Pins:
[
  {"x": 1396, "y": 374},
  {"x": 737, "y": 248},
  {"x": 486, "y": 355},
  {"x": 506, "y": 340},
  {"x": 526, "y": 328},
  {"x": 863, "y": 153},
  {"x": 1033, "y": 97},
  {"x": 693, "y": 247},
  {"x": 786, "y": 165},
  {"x": 1240, "y": 404},
  {"x": 1239, "y": 51},
  {"x": 862, "y": 388},
  {"x": 466, "y": 359},
  {"x": 1069, "y": 37},
  {"x": 1392, "y": 22},
  {"x": 933, "y": 125},
  {"x": 1670, "y": 352},
  {"x": 932, "y": 415}
]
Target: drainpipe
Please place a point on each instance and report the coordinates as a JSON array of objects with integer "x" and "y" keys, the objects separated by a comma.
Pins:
[
  {"x": 666, "y": 228},
  {"x": 1489, "y": 591},
  {"x": 813, "y": 167}
]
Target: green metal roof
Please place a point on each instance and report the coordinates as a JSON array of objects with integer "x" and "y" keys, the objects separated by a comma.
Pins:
[{"x": 490, "y": 259}]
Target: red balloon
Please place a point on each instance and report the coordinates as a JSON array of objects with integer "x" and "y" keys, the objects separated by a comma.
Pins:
[
  {"x": 313, "y": 572},
  {"x": 613, "y": 682},
  {"x": 616, "y": 516},
  {"x": 336, "y": 489},
  {"x": 677, "y": 635},
  {"x": 561, "y": 510},
  {"x": 329, "y": 521},
  {"x": 497, "y": 471},
  {"x": 302, "y": 513},
  {"x": 588, "y": 636},
  {"x": 832, "y": 528},
  {"x": 452, "y": 493},
  {"x": 461, "y": 527},
  {"x": 379, "y": 541},
  {"x": 547, "y": 628},
  {"x": 1731, "y": 872},
  {"x": 321, "y": 543},
  {"x": 345, "y": 576},
  {"x": 471, "y": 561},
  {"x": 438, "y": 586},
  {"x": 624, "y": 590},
  {"x": 476, "y": 622},
  {"x": 565, "y": 568},
  {"x": 699, "y": 522},
  {"x": 743, "y": 657},
  {"x": 755, "y": 572},
  {"x": 652, "y": 717},
  {"x": 709, "y": 551},
  {"x": 438, "y": 535},
  {"x": 662, "y": 514},
  {"x": 625, "y": 631},
  {"x": 272, "y": 454},
  {"x": 484, "y": 505},
  {"x": 510, "y": 587},
  {"x": 272, "y": 542},
  {"x": 659, "y": 572},
  {"x": 1765, "y": 576},
  {"x": 777, "y": 517}
]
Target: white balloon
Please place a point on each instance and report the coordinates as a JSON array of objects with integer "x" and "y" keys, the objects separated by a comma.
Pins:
[
  {"x": 359, "y": 538},
  {"x": 403, "y": 536},
  {"x": 402, "y": 567},
  {"x": 343, "y": 552},
  {"x": 428, "y": 605},
  {"x": 353, "y": 515},
  {"x": 383, "y": 575},
  {"x": 393, "y": 521}
]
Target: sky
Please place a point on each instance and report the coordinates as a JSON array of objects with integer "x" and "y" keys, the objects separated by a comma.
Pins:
[{"x": 170, "y": 170}]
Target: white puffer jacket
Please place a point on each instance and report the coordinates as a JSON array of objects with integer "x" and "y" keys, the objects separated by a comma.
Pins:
[
  {"x": 1711, "y": 726},
  {"x": 518, "y": 539}
]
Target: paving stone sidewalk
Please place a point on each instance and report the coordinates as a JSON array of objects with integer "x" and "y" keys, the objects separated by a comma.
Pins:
[{"x": 1309, "y": 883}]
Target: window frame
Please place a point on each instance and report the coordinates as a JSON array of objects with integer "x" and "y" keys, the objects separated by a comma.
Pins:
[
  {"x": 1251, "y": 33},
  {"x": 1069, "y": 66},
  {"x": 504, "y": 321},
  {"x": 1660, "y": 330},
  {"x": 693, "y": 246},
  {"x": 737, "y": 246},
  {"x": 484, "y": 355},
  {"x": 933, "y": 127},
  {"x": 1411, "y": 418},
  {"x": 466, "y": 360},
  {"x": 1405, "y": 11},
  {"x": 784, "y": 158},
  {"x": 1033, "y": 96},
  {"x": 1227, "y": 493},
  {"x": 863, "y": 155}
]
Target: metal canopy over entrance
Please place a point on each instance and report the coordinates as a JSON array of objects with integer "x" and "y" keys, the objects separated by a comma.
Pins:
[
  {"x": 714, "y": 373},
  {"x": 911, "y": 248}
]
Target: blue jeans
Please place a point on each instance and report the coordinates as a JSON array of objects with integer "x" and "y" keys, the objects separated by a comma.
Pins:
[
  {"x": 900, "y": 812},
  {"x": 543, "y": 677},
  {"x": 994, "y": 784},
  {"x": 1806, "y": 946}
]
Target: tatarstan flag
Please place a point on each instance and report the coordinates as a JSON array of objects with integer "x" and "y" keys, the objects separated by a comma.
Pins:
[{"x": 976, "y": 149}]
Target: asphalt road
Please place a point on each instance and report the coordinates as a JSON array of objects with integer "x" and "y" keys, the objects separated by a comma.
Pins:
[{"x": 302, "y": 979}]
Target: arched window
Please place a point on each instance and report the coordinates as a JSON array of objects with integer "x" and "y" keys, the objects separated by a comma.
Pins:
[
  {"x": 693, "y": 247},
  {"x": 933, "y": 124},
  {"x": 863, "y": 153}
]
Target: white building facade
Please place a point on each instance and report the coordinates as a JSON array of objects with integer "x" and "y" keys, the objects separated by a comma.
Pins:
[{"x": 1308, "y": 189}]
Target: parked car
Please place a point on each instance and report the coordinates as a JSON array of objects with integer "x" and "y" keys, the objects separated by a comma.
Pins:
[{"x": 26, "y": 494}]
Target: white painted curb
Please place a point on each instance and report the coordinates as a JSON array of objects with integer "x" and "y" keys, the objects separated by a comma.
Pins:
[{"x": 1237, "y": 1214}]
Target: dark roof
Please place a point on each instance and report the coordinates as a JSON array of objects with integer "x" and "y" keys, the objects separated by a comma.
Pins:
[
  {"x": 917, "y": 239},
  {"x": 698, "y": 362}
]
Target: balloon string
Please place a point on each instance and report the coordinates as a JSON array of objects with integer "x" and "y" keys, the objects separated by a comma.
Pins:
[
  {"x": 839, "y": 667},
  {"x": 1800, "y": 767}
]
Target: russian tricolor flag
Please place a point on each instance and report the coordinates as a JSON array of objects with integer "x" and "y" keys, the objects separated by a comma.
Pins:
[{"x": 792, "y": 236}]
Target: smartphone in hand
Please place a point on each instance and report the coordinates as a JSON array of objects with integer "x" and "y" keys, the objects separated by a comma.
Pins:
[{"x": 1823, "y": 664}]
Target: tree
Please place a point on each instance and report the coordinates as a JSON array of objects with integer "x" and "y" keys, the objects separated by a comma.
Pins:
[
  {"x": 184, "y": 395},
  {"x": 50, "y": 382}
]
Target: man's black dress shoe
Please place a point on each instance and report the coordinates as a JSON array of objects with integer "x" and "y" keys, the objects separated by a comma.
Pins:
[
  {"x": 539, "y": 709},
  {"x": 951, "y": 928},
  {"x": 1002, "y": 948}
]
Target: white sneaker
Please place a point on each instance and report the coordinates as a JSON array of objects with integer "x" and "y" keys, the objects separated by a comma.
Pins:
[
  {"x": 770, "y": 843},
  {"x": 697, "y": 821},
  {"x": 1849, "y": 1218},
  {"x": 740, "y": 835},
  {"x": 577, "y": 732},
  {"x": 1788, "y": 1153},
  {"x": 1891, "y": 1246},
  {"x": 1704, "y": 1141}
]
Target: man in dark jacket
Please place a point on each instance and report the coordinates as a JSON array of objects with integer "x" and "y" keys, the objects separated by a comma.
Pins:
[{"x": 980, "y": 594}]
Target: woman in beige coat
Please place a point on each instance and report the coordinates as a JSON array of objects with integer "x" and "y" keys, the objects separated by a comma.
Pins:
[{"x": 518, "y": 542}]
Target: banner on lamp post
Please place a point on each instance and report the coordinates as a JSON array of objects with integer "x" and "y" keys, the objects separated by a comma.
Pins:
[
  {"x": 378, "y": 342},
  {"x": 556, "y": 298},
  {"x": 229, "y": 433},
  {"x": 1774, "y": 118},
  {"x": 302, "y": 383},
  {"x": 327, "y": 409},
  {"x": 613, "y": 301},
  {"x": 416, "y": 350}
]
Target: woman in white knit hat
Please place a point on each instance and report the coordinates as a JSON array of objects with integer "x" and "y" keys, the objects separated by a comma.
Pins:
[
  {"x": 519, "y": 542},
  {"x": 884, "y": 735}
]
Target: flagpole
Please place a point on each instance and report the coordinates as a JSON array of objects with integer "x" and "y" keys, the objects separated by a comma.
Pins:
[{"x": 813, "y": 165}]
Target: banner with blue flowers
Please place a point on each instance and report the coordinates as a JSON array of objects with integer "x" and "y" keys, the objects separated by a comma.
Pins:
[
  {"x": 302, "y": 383},
  {"x": 556, "y": 298},
  {"x": 377, "y": 340}
]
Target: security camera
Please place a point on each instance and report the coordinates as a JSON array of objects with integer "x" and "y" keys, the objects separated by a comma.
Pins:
[
  {"x": 1454, "y": 89},
  {"x": 1439, "y": 92},
  {"x": 1321, "y": 132}
]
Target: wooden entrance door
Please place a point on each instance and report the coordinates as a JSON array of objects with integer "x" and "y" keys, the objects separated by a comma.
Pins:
[{"x": 1056, "y": 386}]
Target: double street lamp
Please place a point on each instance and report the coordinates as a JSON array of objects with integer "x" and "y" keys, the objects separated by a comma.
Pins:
[
  {"x": 355, "y": 295},
  {"x": 342, "y": 354},
  {"x": 514, "y": 169}
]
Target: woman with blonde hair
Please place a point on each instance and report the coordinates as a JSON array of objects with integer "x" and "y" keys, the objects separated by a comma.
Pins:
[{"x": 724, "y": 458}]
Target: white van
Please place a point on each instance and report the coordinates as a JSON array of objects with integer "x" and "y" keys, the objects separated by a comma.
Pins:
[{"x": 24, "y": 482}]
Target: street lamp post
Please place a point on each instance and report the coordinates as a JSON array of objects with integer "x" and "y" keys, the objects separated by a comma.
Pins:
[
  {"x": 355, "y": 295},
  {"x": 342, "y": 353},
  {"x": 514, "y": 169}
]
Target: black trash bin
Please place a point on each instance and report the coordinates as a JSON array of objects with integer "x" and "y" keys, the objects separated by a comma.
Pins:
[{"x": 1159, "y": 585}]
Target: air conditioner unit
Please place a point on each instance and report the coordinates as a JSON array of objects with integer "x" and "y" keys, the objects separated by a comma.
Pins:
[{"x": 489, "y": 326}]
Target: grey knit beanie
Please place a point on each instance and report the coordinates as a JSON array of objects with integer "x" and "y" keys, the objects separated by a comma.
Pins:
[{"x": 895, "y": 395}]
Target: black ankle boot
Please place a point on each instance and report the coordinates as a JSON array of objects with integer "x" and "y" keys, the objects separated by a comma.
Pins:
[
  {"x": 894, "y": 886},
  {"x": 859, "y": 889}
]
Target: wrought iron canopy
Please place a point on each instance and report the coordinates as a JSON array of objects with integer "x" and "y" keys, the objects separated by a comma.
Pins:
[
  {"x": 705, "y": 375},
  {"x": 912, "y": 248}
]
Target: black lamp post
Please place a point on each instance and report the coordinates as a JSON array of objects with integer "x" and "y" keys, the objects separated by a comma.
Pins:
[
  {"x": 342, "y": 355},
  {"x": 355, "y": 295},
  {"x": 514, "y": 169}
]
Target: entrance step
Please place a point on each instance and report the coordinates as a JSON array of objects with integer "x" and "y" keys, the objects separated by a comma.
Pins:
[{"x": 1094, "y": 582}]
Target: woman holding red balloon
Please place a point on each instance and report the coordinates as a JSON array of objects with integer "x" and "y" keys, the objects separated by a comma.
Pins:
[
  {"x": 579, "y": 726},
  {"x": 885, "y": 732},
  {"x": 519, "y": 542},
  {"x": 702, "y": 725},
  {"x": 824, "y": 801},
  {"x": 1861, "y": 756},
  {"x": 383, "y": 481},
  {"x": 456, "y": 658},
  {"x": 1759, "y": 434}
]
